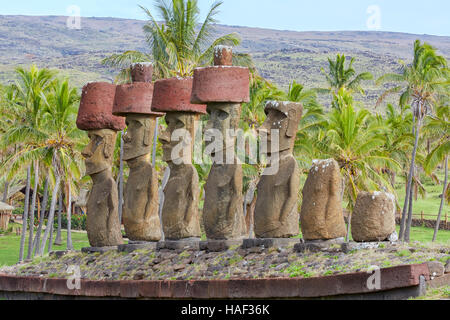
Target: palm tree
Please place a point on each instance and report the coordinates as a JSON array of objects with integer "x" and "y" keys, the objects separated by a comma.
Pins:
[
  {"x": 24, "y": 104},
  {"x": 178, "y": 44},
  {"x": 339, "y": 77},
  {"x": 422, "y": 82},
  {"x": 439, "y": 125}
]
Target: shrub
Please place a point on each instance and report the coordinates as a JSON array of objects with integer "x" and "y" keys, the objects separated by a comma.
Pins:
[{"x": 78, "y": 222}]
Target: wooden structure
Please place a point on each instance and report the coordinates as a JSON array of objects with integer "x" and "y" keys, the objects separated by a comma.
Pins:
[{"x": 5, "y": 215}]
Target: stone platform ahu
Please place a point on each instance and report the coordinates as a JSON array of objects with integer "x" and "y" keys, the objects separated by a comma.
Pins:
[{"x": 223, "y": 88}]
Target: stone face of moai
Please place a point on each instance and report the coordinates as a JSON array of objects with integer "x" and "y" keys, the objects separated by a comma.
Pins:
[
  {"x": 223, "y": 88},
  {"x": 180, "y": 210},
  {"x": 322, "y": 214},
  {"x": 103, "y": 227},
  {"x": 180, "y": 214},
  {"x": 141, "y": 205},
  {"x": 94, "y": 116},
  {"x": 276, "y": 213},
  {"x": 373, "y": 217}
]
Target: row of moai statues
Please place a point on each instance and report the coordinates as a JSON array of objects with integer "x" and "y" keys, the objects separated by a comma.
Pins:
[{"x": 219, "y": 91}]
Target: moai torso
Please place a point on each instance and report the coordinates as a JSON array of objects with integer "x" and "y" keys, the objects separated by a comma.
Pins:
[
  {"x": 276, "y": 205},
  {"x": 223, "y": 212},
  {"x": 322, "y": 213},
  {"x": 180, "y": 210},
  {"x": 140, "y": 210},
  {"x": 102, "y": 222}
]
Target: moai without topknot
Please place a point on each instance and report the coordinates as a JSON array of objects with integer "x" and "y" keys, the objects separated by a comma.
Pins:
[
  {"x": 94, "y": 116},
  {"x": 180, "y": 214},
  {"x": 223, "y": 88},
  {"x": 322, "y": 213},
  {"x": 141, "y": 204},
  {"x": 276, "y": 214}
]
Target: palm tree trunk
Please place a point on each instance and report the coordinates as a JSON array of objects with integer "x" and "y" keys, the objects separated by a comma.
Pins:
[
  {"x": 121, "y": 180},
  {"x": 37, "y": 238},
  {"x": 409, "y": 185},
  {"x": 69, "y": 219},
  {"x": 5, "y": 192},
  {"x": 33, "y": 205},
  {"x": 58, "y": 239},
  {"x": 25, "y": 216},
  {"x": 409, "y": 219},
  {"x": 51, "y": 215},
  {"x": 438, "y": 221}
]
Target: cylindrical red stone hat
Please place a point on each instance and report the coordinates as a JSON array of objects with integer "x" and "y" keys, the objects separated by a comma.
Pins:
[
  {"x": 174, "y": 95},
  {"x": 95, "y": 112},
  {"x": 134, "y": 98},
  {"x": 141, "y": 72},
  {"x": 221, "y": 84}
]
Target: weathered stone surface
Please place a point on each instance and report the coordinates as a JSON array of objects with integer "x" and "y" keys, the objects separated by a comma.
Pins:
[
  {"x": 137, "y": 246},
  {"x": 269, "y": 243},
  {"x": 447, "y": 266},
  {"x": 184, "y": 244},
  {"x": 180, "y": 214},
  {"x": 221, "y": 84},
  {"x": 276, "y": 212},
  {"x": 102, "y": 222},
  {"x": 350, "y": 246},
  {"x": 141, "y": 204},
  {"x": 436, "y": 268},
  {"x": 141, "y": 72},
  {"x": 219, "y": 245},
  {"x": 318, "y": 245},
  {"x": 134, "y": 98},
  {"x": 223, "y": 56},
  {"x": 99, "y": 249},
  {"x": 223, "y": 215},
  {"x": 322, "y": 214},
  {"x": 95, "y": 112},
  {"x": 174, "y": 94},
  {"x": 373, "y": 217}
]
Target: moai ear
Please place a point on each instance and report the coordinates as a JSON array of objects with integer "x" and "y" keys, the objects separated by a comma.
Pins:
[
  {"x": 147, "y": 134},
  {"x": 292, "y": 123}
]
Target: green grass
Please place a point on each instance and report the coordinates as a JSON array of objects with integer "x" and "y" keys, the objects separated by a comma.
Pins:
[
  {"x": 10, "y": 245},
  {"x": 429, "y": 204}
]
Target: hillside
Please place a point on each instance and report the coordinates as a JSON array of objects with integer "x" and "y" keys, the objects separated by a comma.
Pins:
[{"x": 280, "y": 56}]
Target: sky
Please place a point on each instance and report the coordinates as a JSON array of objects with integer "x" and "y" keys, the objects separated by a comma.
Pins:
[{"x": 410, "y": 16}]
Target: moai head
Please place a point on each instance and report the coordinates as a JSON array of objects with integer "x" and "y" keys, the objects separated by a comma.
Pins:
[
  {"x": 173, "y": 97},
  {"x": 134, "y": 102},
  {"x": 178, "y": 138},
  {"x": 223, "y": 119},
  {"x": 95, "y": 116},
  {"x": 285, "y": 118},
  {"x": 99, "y": 153},
  {"x": 138, "y": 139}
]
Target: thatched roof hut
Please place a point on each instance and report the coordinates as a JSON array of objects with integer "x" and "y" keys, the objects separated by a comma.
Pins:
[{"x": 5, "y": 215}]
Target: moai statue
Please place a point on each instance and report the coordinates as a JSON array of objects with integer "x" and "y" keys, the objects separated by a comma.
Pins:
[
  {"x": 373, "y": 217},
  {"x": 322, "y": 213},
  {"x": 94, "y": 116},
  {"x": 276, "y": 212},
  {"x": 180, "y": 215},
  {"x": 140, "y": 209},
  {"x": 223, "y": 88}
]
